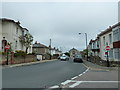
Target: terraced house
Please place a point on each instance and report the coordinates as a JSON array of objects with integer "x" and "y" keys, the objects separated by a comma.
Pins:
[
  {"x": 10, "y": 33},
  {"x": 109, "y": 37}
]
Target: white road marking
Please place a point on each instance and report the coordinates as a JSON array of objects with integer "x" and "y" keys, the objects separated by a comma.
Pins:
[
  {"x": 66, "y": 82},
  {"x": 55, "y": 86},
  {"x": 86, "y": 66},
  {"x": 79, "y": 82},
  {"x": 101, "y": 81},
  {"x": 74, "y": 77},
  {"x": 80, "y": 75},
  {"x": 75, "y": 84},
  {"x": 83, "y": 72}
]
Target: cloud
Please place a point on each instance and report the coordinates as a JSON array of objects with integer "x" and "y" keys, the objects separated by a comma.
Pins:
[{"x": 62, "y": 21}]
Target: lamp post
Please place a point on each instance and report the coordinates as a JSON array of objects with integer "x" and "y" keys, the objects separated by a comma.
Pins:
[{"x": 86, "y": 44}]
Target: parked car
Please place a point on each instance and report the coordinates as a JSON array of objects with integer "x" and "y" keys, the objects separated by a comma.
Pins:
[
  {"x": 59, "y": 57},
  {"x": 64, "y": 58},
  {"x": 78, "y": 58}
]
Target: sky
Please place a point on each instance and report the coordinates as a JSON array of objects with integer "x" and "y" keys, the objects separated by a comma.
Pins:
[{"x": 62, "y": 21}]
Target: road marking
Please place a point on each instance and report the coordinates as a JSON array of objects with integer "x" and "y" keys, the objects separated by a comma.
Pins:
[
  {"x": 66, "y": 82},
  {"x": 74, "y": 77},
  {"x": 85, "y": 65},
  {"x": 79, "y": 82},
  {"x": 80, "y": 75},
  {"x": 75, "y": 84},
  {"x": 83, "y": 72},
  {"x": 102, "y": 81},
  {"x": 55, "y": 86}
]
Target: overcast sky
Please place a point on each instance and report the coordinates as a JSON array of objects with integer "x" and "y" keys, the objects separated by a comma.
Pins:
[{"x": 62, "y": 21}]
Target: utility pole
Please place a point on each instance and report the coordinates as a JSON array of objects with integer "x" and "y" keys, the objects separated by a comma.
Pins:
[
  {"x": 50, "y": 49},
  {"x": 86, "y": 44}
]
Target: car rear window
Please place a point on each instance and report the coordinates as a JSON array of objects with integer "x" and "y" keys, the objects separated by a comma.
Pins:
[{"x": 77, "y": 56}]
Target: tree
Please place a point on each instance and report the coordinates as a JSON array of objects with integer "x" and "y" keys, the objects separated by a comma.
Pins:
[
  {"x": 26, "y": 40},
  {"x": 66, "y": 53}
]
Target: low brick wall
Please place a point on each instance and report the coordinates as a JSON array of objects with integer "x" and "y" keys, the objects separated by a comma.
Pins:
[
  {"x": 18, "y": 60},
  {"x": 27, "y": 58},
  {"x": 99, "y": 61}
]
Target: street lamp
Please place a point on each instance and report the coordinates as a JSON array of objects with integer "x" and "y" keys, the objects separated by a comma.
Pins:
[{"x": 86, "y": 43}]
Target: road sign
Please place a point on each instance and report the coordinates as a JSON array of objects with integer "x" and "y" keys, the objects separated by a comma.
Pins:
[
  {"x": 107, "y": 48},
  {"x": 106, "y": 53},
  {"x": 7, "y": 47}
]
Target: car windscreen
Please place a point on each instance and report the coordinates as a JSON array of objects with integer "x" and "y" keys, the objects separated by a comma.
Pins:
[{"x": 78, "y": 56}]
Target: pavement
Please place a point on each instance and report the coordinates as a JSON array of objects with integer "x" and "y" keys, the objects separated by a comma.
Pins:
[
  {"x": 25, "y": 64},
  {"x": 95, "y": 76},
  {"x": 98, "y": 67}
]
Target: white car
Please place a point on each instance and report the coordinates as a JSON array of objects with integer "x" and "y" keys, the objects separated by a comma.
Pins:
[{"x": 64, "y": 58}]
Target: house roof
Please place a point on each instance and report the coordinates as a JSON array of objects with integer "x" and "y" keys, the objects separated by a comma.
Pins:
[
  {"x": 73, "y": 49},
  {"x": 39, "y": 45},
  {"x": 109, "y": 29},
  {"x": 10, "y": 20}
]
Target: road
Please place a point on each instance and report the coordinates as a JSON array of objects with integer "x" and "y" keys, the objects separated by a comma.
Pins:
[{"x": 41, "y": 75}]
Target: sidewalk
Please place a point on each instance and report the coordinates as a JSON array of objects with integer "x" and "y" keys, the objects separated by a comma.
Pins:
[
  {"x": 94, "y": 77},
  {"x": 25, "y": 64},
  {"x": 95, "y": 66}
]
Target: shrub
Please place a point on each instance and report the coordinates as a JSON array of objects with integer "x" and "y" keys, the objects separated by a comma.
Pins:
[
  {"x": 3, "y": 53},
  {"x": 33, "y": 60},
  {"x": 31, "y": 53},
  {"x": 19, "y": 53},
  {"x": 56, "y": 55}
]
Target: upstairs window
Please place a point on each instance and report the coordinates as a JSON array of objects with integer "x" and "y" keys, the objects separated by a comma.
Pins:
[
  {"x": 17, "y": 30},
  {"x": 110, "y": 38},
  {"x": 15, "y": 44},
  {"x": 104, "y": 40}
]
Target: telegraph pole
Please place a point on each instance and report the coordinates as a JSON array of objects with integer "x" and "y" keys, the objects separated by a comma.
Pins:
[
  {"x": 86, "y": 44},
  {"x": 50, "y": 49}
]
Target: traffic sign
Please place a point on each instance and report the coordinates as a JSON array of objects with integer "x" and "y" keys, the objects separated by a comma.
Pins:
[
  {"x": 107, "y": 48},
  {"x": 7, "y": 47},
  {"x": 106, "y": 53}
]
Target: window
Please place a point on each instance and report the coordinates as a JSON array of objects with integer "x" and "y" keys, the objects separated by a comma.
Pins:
[
  {"x": 15, "y": 44},
  {"x": 110, "y": 38},
  {"x": 93, "y": 45},
  {"x": 73, "y": 52},
  {"x": 17, "y": 30},
  {"x": 117, "y": 53},
  {"x": 111, "y": 53},
  {"x": 97, "y": 44},
  {"x": 116, "y": 35},
  {"x": 104, "y": 40}
]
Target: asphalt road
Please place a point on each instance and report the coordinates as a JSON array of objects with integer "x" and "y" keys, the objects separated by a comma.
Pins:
[{"x": 41, "y": 75}]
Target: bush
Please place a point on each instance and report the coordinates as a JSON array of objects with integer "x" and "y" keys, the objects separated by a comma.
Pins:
[
  {"x": 33, "y": 60},
  {"x": 56, "y": 55},
  {"x": 3, "y": 53},
  {"x": 20, "y": 53},
  {"x": 31, "y": 54}
]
